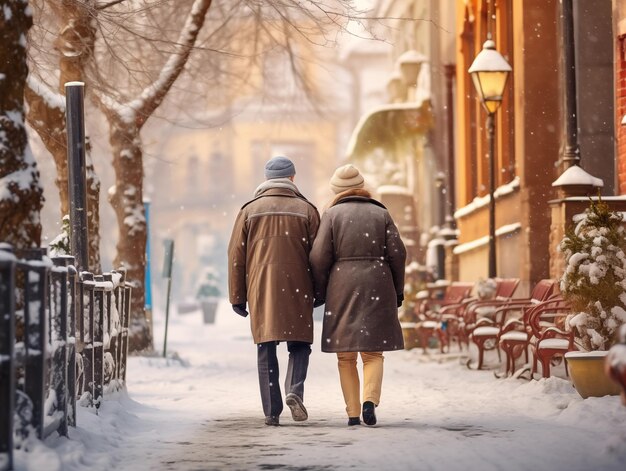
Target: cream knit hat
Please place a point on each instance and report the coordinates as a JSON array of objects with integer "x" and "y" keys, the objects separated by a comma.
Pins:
[{"x": 346, "y": 177}]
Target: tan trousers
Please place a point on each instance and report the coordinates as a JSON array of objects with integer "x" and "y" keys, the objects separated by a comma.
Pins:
[{"x": 349, "y": 378}]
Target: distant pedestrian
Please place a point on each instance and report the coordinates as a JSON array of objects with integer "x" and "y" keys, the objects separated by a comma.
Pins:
[
  {"x": 358, "y": 266},
  {"x": 268, "y": 268}
]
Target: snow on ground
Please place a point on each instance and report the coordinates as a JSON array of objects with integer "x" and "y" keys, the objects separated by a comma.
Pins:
[{"x": 200, "y": 410}]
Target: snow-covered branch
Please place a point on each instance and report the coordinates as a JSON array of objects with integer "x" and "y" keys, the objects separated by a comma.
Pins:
[
  {"x": 51, "y": 98},
  {"x": 139, "y": 109}
]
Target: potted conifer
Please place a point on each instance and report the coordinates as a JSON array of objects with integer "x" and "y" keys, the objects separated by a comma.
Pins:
[
  {"x": 594, "y": 284},
  {"x": 208, "y": 294}
]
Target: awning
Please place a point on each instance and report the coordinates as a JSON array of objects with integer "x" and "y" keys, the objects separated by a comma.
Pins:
[{"x": 385, "y": 126}]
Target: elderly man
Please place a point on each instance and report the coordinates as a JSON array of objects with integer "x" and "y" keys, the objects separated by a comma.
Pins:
[{"x": 268, "y": 268}]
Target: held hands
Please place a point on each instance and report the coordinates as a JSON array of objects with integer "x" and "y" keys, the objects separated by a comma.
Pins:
[
  {"x": 240, "y": 309},
  {"x": 400, "y": 298}
]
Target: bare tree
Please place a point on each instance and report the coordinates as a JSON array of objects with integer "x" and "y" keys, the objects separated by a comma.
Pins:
[
  {"x": 126, "y": 116},
  {"x": 21, "y": 196},
  {"x": 130, "y": 53}
]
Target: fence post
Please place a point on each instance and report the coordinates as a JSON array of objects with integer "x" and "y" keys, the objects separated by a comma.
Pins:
[
  {"x": 119, "y": 303},
  {"x": 71, "y": 340},
  {"x": 98, "y": 341},
  {"x": 112, "y": 330},
  {"x": 59, "y": 302},
  {"x": 7, "y": 365},
  {"x": 86, "y": 316},
  {"x": 36, "y": 337}
]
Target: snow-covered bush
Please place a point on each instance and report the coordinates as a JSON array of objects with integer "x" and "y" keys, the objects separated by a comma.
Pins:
[
  {"x": 594, "y": 282},
  {"x": 60, "y": 245},
  {"x": 209, "y": 284}
]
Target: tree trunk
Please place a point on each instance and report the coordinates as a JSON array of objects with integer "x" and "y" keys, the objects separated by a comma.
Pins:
[
  {"x": 126, "y": 197},
  {"x": 21, "y": 196},
  {"x": 48, "y": 120}
]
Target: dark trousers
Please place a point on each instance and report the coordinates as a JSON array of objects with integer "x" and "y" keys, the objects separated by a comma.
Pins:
[{"x": 267, "y": 362}]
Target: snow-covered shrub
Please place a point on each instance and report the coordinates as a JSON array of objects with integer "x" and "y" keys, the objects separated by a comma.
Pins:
[
  {"x": 594, "y": 282},
  {"x": 209, "y": 284},
  {"x": 60, "y": 245}
]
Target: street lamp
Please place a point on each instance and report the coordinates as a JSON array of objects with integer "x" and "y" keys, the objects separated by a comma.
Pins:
[
  {"x": 489, "y": 73},
  {"x": 410, "y": 63},
  {"x": 396, "y": 88}
]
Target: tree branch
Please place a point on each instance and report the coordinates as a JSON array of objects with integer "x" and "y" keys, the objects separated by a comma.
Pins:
[
  {"x": 104, "y": 6},
  {"x": 142, "y": 107}
]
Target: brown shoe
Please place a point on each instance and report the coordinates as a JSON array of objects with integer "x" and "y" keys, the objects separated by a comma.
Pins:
[{"x": 298, "y": 411}]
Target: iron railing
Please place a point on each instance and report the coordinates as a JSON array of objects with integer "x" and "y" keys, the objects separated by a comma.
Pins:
[{"x": 63, "y": 339}]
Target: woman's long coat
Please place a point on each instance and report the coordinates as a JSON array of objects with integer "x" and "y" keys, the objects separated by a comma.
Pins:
[
  {"x": 268, "y": 258},
  {"x": 358, "y": 263}
]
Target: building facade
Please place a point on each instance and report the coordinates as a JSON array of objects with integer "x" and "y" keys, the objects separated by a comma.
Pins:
[
  {"x": 619, "y": 52},
  {"x": 529, "y": 129},
  {"x": 403, "y": 142}
]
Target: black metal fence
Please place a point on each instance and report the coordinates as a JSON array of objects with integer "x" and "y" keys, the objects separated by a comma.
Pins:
[{"x": 63, "y": 339}]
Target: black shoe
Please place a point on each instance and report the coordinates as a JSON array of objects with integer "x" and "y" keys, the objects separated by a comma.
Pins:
[
  {"x": 369, "y": 416},
  {"x": 354, "y": 421},
  {"x": 272, "y": 420},
  {"x": 298, "y": 411}
]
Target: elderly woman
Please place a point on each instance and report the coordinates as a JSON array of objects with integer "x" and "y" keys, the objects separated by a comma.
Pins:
[{"x": 358, "y": 269}]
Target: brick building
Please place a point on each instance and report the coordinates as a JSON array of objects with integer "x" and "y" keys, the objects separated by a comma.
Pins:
[
  {"x": 529, "y": 128},
  {"x": 619, "y": 29}
]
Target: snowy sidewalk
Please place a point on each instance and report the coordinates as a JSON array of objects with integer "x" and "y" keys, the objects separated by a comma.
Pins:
[{"x": 204, "y": 413}]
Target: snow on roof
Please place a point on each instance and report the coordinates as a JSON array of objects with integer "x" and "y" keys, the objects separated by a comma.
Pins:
[
  {"x": 385, "y": 125},
  {"x": 575, "y": 175}
]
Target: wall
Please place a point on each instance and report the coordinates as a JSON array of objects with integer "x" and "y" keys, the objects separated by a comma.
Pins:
[
  {"x": 619, "y": 35},
  {"x": 594, "y": 65}
]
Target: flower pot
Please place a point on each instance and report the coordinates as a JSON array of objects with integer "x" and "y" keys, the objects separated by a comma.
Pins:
[
  {"x": 586, "y": 369},
  {"x": 209, "y": 308}
]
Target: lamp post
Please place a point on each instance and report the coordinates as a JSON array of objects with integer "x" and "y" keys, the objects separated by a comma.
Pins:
[
  {"x": 410, "y": 63},
  {"x": 489, "y": 73},
  {"x": 396, "y": 88}
]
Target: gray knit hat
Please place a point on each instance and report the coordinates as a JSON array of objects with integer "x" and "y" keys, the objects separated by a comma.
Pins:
[
  {"x": 346, "y": 177},
  {"x": 279, "y": 167}
]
